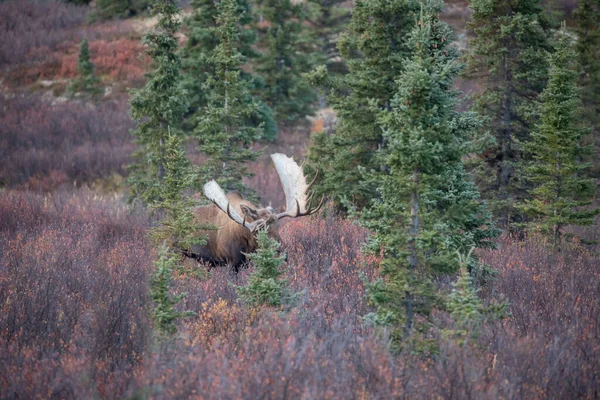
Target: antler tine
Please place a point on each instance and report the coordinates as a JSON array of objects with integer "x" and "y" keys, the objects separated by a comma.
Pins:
[
  {"x": 313, "y": 180},
  {"x": 319, "y": 206}
]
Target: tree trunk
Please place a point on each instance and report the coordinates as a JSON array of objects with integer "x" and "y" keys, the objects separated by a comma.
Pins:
[{"x": 412, "y": 259}]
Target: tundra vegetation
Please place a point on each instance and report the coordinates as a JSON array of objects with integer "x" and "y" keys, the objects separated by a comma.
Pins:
[{"x": 402, "y": 285}]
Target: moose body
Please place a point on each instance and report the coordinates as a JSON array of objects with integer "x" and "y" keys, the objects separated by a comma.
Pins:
[
  {"x": 238, "y": 220},
  {"x": 229, "y": 243}
]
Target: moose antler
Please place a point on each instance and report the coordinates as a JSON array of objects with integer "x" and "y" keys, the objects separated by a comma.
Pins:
[
  {"x": 297, "y": 198},
  {"x": 213, "y": 191}
]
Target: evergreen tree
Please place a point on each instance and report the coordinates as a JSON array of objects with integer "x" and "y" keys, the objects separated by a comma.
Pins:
[
  {"x": 223, "y": 131},
  {"x": 163, "y": 172},
  {"x": 164, "y": 314},
  {"x": 327, "y": 19},
  {"x": 86, "y": 81},
  {"x": 508, "y": 58},
  {"x": 288, "y": 54},
  {"x": 587, "y": 28},
  {"x": 374, "y": 47},
  {"x": 201, "y": 30},
  {"x": 107, "y": 9},
  {"x": 414, "y": 219},
  {"x": 158, "y": 107},
  {"x": 265, "y": 286},
  {"x": 560, "y": 188},
  {"x": 177, "y": 228},
  {"x": 465, "y": 307},
  {"x": 78, "y": 2}
]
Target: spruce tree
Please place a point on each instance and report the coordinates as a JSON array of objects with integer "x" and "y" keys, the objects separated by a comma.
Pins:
[
  {"x": 374, "y": 47},
  {"x": 266, "y": 286},
  {"x": 587, "y": 28},
  {"x": 164, "y": 313},
  {"x": 223, "y": 130},
  {"x": 107, "y": 9},
  {"x": 508, "y": 58},
  {"x": 413, "y": 218},
  {"x": 163, "y": 173},
  {"x": 158, "y": 107},
  {"x": 465, "y": 307},
  {"x": 560, "y": 188},
  {"x": 86, "y": 81},
  {"x": 287, "y": 55},
  {"x": 202, "y": 40},
  {"x": 326, "y": 20}
]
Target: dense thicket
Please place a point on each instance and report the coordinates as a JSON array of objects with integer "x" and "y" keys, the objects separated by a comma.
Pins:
[
  {"x": 287, "y": 53},
  {"x": 508, "y": 56},
  {"x": 374, "y": 46}
]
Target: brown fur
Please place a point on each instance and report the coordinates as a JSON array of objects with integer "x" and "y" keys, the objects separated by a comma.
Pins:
[{"x": 228, "y": 244}]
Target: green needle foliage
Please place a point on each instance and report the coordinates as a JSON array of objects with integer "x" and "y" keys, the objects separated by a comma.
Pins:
[
  {"x": 266, "y": 286},
  {"x": 86, "y": 82},
  {"x": 107, "y": 9},
  {"x": 177, "y": 228},
  {"x": 158, "y": 107},
  {"x": 375, "y": 49},
  {"x": 587, "y": 28},
  {"x": 164, "y": 314},
  {"x": 327, "y": 19},
  {"x": 223, "y": 130},
  {"x": 414, "y": 218},
  {"x": 163, "y": 173},
  {"x": 465, "y": 307},
  {"x": 561, "y": 189},
  {"x": 203, "y": 39},
  {"x": 508, "y": 56},
  {"x": 287, "y": 55}
]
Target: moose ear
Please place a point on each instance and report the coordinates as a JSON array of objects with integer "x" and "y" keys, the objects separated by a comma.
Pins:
[{"x": 249, "y": 212}]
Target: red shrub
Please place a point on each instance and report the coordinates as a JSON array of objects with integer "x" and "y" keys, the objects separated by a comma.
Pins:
[
  {"x": 121, "y": 60},
  {"x": 74, "y": 318}
]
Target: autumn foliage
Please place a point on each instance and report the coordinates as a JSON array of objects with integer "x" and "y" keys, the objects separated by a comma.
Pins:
[
  {"x": 75, "y": 262},
  {"x": 44, "y": 146},
  {"x": 74, "y": 318}
]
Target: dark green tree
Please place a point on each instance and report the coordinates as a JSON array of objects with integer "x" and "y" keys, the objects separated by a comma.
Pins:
[
  {"x": 223, "y": 130},
  {"x": 560, "y": 187},
  {"x": 375, "y": 49},
  {"x": 414, "y": 218},
  {"x": 78, "y": 2},
  {"x": 508, "y": 56},
  {"x": 203, "y": 38},
  {"x": 162, "y": 172},
  {"x": 587, "y": 28},
  {"x": 327, "y": 19},
  {"x": 287, "y": 55},
  {"x": 158, "y": 107},
  {"x": 86, "y": 81},
  {"x": 107, "y": 9},
  {"x": 266, "y": 285}
]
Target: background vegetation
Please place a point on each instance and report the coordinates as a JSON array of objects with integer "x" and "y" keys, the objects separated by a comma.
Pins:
[{"x": 80, "y": 275}]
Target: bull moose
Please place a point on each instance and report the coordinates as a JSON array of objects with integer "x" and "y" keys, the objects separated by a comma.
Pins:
[{"x": 238, "y": 220}]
